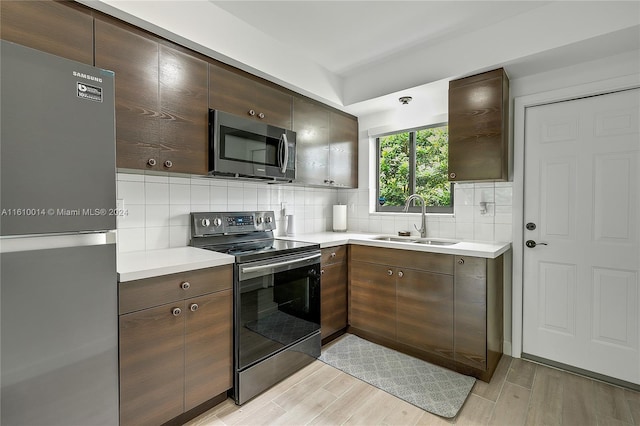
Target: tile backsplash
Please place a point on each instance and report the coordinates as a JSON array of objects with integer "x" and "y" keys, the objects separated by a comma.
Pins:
[
  {"x": 468, "y": 222},
  {"x": 158, "y": 208}
]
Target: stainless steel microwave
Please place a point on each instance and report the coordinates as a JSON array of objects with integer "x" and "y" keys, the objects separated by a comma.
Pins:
[{"x": 245, "y": 148}]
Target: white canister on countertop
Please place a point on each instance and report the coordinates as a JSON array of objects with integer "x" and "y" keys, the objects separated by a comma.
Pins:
[{"x": 340, "y": 218}]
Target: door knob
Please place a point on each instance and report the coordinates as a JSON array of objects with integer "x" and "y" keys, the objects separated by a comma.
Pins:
[{"x": 532, "y": 244}]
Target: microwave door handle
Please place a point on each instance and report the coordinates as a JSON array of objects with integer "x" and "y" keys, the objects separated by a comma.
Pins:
[{"x": 285, "y": 161}]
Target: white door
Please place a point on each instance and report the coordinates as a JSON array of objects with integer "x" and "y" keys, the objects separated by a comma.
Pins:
[{"x": 582, "y": 193}]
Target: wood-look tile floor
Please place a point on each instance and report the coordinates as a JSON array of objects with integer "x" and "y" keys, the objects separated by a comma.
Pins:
[{"x": 520, "y": 393}]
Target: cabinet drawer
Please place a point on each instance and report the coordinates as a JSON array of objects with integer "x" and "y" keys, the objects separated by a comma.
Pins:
[
  {"x": 333, "y": 255},
  {"x": 146, "y": 293},
  {"x": 432, "y": 262}
]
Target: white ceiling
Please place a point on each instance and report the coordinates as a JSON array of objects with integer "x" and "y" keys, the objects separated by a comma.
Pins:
[
  {"x": 361, "y": 56},
  {"x": 344, "y": 36},
  {"x": 352, "y": 39}
]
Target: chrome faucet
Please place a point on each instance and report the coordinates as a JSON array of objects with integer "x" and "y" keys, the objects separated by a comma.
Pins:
[{"x": 423, "y": 230}]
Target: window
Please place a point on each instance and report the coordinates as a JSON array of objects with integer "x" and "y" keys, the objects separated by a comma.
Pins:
[{"x": 414, "y": 162}]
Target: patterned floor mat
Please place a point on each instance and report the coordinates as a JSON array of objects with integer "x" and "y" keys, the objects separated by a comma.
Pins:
[{"x": 432, "y": 388}]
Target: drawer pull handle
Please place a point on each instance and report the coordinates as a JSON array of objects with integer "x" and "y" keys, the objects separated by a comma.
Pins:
[
  {"x": 261, "y": 115},
  {"x": 333, "y": 254},
  {"x": 176, "y": 311},
  {"x": 321, "y": 271},
  {"x": 168, "y": 164},
  {"x": 401, "y": 274},
  {"x": 251, "y": 112},
  {"x": 389, "y": 272},
  {"x": 194, "y": 307},
  {"x": 151, "y": 162},
  {"x": 460, "y": 261},
  {"x": 185, "y": 285}
]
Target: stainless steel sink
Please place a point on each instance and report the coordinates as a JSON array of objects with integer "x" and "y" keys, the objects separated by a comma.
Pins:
[
  {"x": 436, "y": 242},
  {"x": 396, "y": 239}
]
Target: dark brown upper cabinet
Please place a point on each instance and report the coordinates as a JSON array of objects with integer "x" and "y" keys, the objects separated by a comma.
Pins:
[
  {"x": 60, "y": 28},
  {"x": 326, "y": 145},
  {"x": 232, "y": 91},
  {"x": 478, "y": 127},
  {"x": 161, "y": 100}
]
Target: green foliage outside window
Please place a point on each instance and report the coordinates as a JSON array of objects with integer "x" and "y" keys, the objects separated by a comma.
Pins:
[{"x": 428, "y": 149}]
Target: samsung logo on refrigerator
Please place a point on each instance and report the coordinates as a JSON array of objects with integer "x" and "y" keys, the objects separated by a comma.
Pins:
[{"x": 87, "y": 76}]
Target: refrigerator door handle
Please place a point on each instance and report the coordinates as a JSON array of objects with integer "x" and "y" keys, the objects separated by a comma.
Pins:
[{"x": 44, "y": 242}]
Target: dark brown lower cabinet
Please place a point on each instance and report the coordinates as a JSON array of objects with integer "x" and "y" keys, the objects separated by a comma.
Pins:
[
  {"x": 333, "y": 311},
  {"x": 445, "y": 309},
  {"x": 151, "y": 366},
  {"x": 372, "y": 301},
  {"x": 425, "y": 311},
  {"x": 177, "y": 355},
  {"x": 478, "y": 312}
]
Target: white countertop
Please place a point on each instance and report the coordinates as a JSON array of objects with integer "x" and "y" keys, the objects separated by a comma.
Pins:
[
  {"x": 486, "y": 249},
  {"x": 146, "y": 264}
]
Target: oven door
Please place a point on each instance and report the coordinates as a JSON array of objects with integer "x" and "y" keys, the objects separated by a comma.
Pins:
[{"x": 277, "y": 303}]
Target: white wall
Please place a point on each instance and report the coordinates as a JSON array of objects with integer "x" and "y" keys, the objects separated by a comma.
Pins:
[
  {"x": 565, "y": 83},
  {"x": 158, "y": 206}
]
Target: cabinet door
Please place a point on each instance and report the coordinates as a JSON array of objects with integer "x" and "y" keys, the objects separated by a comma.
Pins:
[
  {"x": 425, "y": 311},
  {"x": 311, "y": 124},
  {"x": 232, "y": 92},
  {"x": 151, "y": 365},
  {"x": 372, "y": 302},
  {"x": 208, "y": 347},
  {"x": 274, "y": 103},
  {"x": 470, "y": 307},
  {"x": 183, "y": 105},
  {"x": 59, "y": 28},
  {"x": 334, "y": 298},
  {"x": 229, "y": 91},
  {"x": 134, "y": 59},
  {"x": 478, "y": 148},
  {"x": 343, "y": 152}
]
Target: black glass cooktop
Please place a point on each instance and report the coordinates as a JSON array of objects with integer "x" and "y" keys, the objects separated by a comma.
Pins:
[{"x": 248, "y": 251}]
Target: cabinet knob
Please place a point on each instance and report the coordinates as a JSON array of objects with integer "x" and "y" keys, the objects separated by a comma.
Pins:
[
  {"x": 452, "y": 175},
  {"x": 251, "y": 112},
  {"x": 193, "y": 307},
  {"x": 261, "y": 115},
  {"x": 168, "y": 164},
  {"x": 151, "y": 162},
  {"x": 176, "y": 311},
  {"x": 333, "y": 254},
  {"x": 185, "y": 285},
  {"x": 460, "y": 261},
  {"x": 321, "y": 271},
  {"x": 389, "y": 272},
  {"x": 401, "y": 274}
]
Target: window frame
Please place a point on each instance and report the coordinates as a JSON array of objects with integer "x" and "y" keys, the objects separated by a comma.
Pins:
[{"x": 413, "y": 208}]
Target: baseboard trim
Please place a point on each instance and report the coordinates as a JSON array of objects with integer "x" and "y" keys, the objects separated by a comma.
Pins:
[{"x": 581, "y": 372}]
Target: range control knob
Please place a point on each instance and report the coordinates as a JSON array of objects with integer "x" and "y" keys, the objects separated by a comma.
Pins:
[
  {"x": 217, "y": 222},
  {"x": 268, "y": 219},
  {"x": 259, "y": 220},
  {"x": 205, "y": 222}
]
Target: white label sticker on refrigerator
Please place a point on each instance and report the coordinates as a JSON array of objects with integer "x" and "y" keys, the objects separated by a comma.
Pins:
[{"x": 86, "y": 91}]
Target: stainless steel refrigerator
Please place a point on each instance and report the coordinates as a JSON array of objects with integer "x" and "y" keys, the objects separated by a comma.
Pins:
[{"x": 58, "y": 283}]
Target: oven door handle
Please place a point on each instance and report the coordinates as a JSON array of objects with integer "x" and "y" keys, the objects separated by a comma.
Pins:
[{"x": 247, "y": 269}]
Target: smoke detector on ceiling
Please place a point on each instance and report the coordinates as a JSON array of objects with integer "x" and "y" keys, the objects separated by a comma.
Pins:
[{"x": 404, "y": 100}]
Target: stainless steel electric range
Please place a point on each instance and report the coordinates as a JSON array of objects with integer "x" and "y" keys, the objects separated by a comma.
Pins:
[{"x": 276, "y": 294}]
